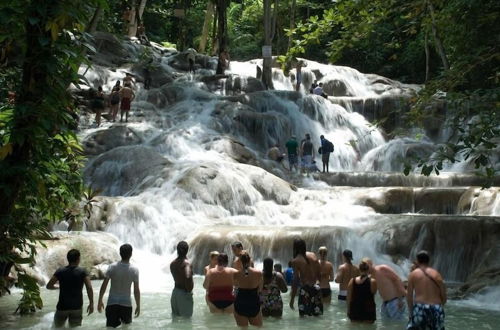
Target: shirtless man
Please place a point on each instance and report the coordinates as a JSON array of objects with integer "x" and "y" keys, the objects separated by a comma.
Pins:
[
  {"x": 182, "y": 272},
  {"x": 126, "y": 96},
  {"x": 391, "y": 289},
  {"x": 128, "y": 79},
  {"x": 346, "y": 272},
  {"x": 430, "y": 296},
  {"x": 326, "y": 275},
  {"x": 306, "y": 269},
  {"x": 219, "y": 284}
]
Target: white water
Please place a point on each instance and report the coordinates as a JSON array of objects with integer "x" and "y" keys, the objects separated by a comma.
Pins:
[{"x": 183, "y": 182}]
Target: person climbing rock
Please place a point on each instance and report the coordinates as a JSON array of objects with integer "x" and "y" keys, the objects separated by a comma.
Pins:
[
  {"x": 126, "y": 96},
  {"x": 97, "y": 105}
]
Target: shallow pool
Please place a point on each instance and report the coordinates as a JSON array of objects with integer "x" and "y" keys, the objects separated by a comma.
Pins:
[{"x": 156, "y": 314}]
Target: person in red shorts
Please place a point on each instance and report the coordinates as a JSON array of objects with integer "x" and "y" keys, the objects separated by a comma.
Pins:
[{"x": 127, "y": 96}]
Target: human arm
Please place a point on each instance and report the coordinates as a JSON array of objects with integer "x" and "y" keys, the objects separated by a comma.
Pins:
[
  {"x": 137, "y": 297},
  {"x": 349, "y": 295},
  {"x": 90, "y": 294},
  {"x": 102, "y": 291},
  {"x": 295, "y": 284},
  {"x": 373, "y": 286},
  {"x": 51, "y": 284},
  {"x": 409, "y": 295},
  {"x": 206, "y": 281},
  {"x": 188, "y": 269},
  {"x": 442, "y": 288}
]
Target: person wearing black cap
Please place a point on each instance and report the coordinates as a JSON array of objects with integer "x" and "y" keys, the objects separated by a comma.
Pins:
[
  {"x": 346, "y": 272},
  {"x": 426, "y": 312}
]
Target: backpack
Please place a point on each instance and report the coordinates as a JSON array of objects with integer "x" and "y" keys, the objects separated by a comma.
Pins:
[{"x": 329, "y": 146}]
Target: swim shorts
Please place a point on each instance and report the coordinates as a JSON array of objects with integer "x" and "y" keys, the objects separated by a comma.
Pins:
[{"x": 427, "y": 316}]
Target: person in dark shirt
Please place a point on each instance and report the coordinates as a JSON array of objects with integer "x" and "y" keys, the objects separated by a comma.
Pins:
[{"x": 71, "y": 279}]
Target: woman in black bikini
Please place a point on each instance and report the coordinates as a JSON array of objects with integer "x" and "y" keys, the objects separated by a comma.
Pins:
[
  {"x": 360, "y": 296},
  {"x": 247, "y": 303}
]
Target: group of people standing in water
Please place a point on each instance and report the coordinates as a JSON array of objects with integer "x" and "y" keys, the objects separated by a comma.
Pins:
[
  {"x": 120, "y": 97},
  {"x": 251, "y": 294}
]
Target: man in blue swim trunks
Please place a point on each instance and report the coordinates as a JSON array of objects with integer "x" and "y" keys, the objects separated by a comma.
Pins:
[
  {"x": 391, "y": 290},
  {"x": 430, "y": 296}
]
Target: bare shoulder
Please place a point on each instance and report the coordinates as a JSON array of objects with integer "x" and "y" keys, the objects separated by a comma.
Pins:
[
  {"x": 312, "y": 255},
  {"x": 342, "y": 267}
]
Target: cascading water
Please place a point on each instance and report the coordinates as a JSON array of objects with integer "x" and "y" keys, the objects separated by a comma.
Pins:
[{"x": 191, "y": 165}]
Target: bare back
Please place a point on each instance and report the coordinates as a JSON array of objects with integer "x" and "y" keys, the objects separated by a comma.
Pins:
[
  {"x": 308, "y": 270},
  {"x": 220, "y": 277},
  {"x": 429, "y": 289},
  {"x": 251, "y": 281},
  {"x": 389, "y": 284},
  {"x": 182, "y": 273},
  {"x": 127, "y": 93},
  {"x": 326, "y": 273},
  {"x": 345, "y": 274}
]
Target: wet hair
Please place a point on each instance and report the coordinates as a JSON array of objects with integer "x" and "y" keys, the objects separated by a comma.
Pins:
[
  {"x": 299, "y": 247},
  {"x": 322, "y": 137},
  {"x": 290, "y": 263},
  {"x": 245, "y": 261},
  {"x": 222, "y": 259},
  {"x": 213, "y": 254},
  {"x": 237, "y": 244},
  {"x": 347, "y": 255},
  {"x": 73, "y": 256},
  {"x": 364, "y": 266},
  {"x": 268, "y": 268},
  {"x": 278, "y": 268},
  {"x": 182, "y": 249},
  {"x": 118, "y": 83},
  {"x": 323, "y": 250},
  {"x": 126, "y": 251},
  {"x": 308, "y": 136},
  {"x": 423, "y": 257}
]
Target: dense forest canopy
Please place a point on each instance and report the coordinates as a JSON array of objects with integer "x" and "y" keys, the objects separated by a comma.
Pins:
[{"x": 452, "y": 46}]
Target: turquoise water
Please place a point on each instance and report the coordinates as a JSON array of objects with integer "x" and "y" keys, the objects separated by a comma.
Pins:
[{"x": 156, "y": 314}]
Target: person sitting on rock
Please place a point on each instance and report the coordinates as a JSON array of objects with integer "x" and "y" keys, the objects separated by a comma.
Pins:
[
  {"x": 71, "y": 279},
  {"x": 275, "y": 154}
]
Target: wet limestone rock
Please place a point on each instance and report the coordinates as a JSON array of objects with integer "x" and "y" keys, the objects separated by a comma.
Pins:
[
  {"x": 107, "y": 139},
  {"x": 236, "y": 190},
  {"x": 479, "y": 201},
  {"x": 96, "y": 248},
  {"x": 124, "y": 170},
  {"x": 389, "y": 200}
]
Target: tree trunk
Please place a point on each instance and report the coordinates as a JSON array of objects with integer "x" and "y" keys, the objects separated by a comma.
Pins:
[
  {"x": 221, "y": 30},
  {"x": 136, "y": 16},
  {"x": 437, "y": 39},
  {"x": 427, "y": 56},
  {"x": 215, "y": 48},
  {"x": 206, "y": 26},
  {"x": 292, "y": 22},
  {"x": 269, "y": 31},
  {"x": 92, "y": 26}
]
